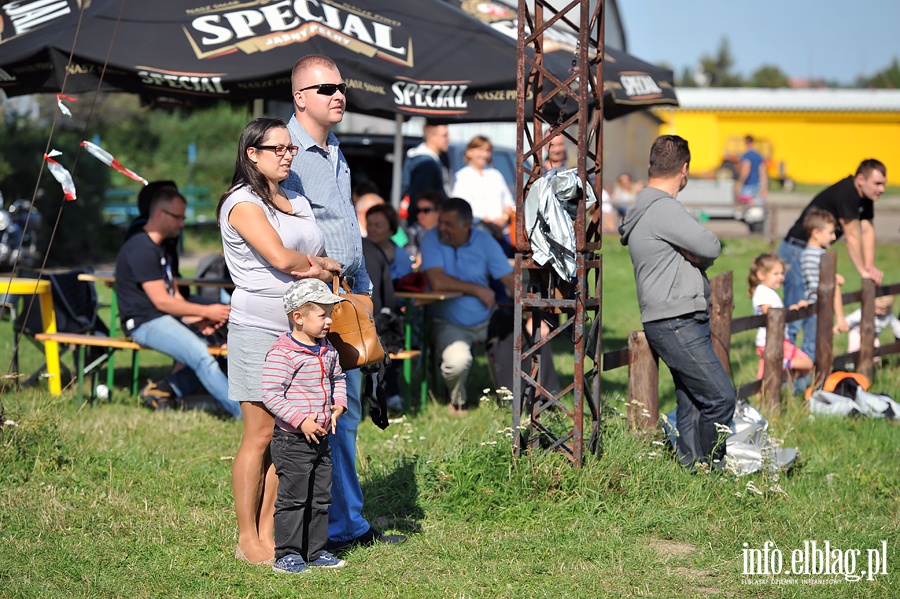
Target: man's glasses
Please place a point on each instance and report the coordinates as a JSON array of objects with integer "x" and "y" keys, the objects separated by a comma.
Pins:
[
  {"x": 280, "y": 150},
  {"x": 180, "y": 217},
  {"x": 327, "y": 89}
]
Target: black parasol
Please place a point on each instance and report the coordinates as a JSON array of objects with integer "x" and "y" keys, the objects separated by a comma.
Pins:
[{"x": 445, "y": 59}]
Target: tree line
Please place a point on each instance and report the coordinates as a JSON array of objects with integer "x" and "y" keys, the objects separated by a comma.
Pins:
[
  {"x": 717, "y": 70},
  {"x": 152, "y": 142}
]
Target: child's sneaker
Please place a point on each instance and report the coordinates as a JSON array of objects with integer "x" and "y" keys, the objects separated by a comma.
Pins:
[
  {"x": 290, "y": 564},
  {"x": 326, "y": 560}
]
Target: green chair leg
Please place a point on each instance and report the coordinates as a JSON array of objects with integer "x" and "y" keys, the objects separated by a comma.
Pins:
[{"x": 134, "y": 372}]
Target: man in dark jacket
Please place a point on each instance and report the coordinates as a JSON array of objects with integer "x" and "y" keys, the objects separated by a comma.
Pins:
[{"x": 670, "y": 252}]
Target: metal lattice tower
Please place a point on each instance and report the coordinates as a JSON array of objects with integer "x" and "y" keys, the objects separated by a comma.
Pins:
[{"x": 543, "y": 419}]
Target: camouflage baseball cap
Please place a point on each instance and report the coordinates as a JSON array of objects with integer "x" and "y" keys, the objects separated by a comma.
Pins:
[{"x": 308, "y": 290}]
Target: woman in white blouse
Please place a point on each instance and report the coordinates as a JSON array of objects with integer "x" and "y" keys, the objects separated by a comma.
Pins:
[{"x": 484, "y": 188}]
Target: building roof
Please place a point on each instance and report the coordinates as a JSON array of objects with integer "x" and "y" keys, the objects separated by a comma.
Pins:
[{"x": 786, "y": 99}]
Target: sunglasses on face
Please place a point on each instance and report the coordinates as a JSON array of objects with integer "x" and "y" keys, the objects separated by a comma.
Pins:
[
  {"x": 280, "y": 150},
  {"x": 425, "y": 210},
  {"x": 326, "y": 89}
]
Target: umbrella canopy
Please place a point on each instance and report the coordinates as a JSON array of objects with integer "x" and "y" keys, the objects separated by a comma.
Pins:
[{"x": 443, "y": 59}]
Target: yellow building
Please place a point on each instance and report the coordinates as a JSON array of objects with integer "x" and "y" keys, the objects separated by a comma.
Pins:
[{"x": 811, "y": 136}]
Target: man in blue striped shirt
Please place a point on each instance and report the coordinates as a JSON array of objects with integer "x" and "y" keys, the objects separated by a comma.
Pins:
[{"x": 320, "y": 172}]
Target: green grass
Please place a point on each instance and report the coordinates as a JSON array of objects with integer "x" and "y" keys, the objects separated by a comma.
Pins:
[{"x": 117, "y": 501}]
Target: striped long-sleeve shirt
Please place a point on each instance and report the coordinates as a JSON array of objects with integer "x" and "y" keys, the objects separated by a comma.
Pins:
[
  {"x": 298, "y": 384},
  {"x": 810, "y": 261}
]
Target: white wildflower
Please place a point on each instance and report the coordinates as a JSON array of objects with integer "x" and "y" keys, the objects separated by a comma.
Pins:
[{"x": 723, "y": 428}]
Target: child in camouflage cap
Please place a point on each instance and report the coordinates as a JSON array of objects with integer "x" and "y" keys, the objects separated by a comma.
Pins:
[{"x": 305, "y": 389}]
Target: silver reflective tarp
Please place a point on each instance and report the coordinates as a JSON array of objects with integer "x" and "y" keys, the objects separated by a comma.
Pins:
[{"x": 550, "y": 210}]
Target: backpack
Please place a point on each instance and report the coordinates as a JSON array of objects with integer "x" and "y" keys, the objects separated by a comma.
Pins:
[
  {"x": 212, "y": 266},
  {"x": 846, "y": 394},
  {"x": 843, "y": 383}
]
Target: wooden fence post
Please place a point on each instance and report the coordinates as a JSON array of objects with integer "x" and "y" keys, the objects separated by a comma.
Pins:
[
  {"x": 773, "y": 360},
  {"x": 867, "y": 329},
  {"x": 721, "y": 307},
  {"x": 643, "y": 383},
  {"x": 825, "y": 317}
]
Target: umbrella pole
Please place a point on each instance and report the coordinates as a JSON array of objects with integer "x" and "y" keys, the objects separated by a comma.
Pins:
[
  {"x": 259, "y": 108},
  {"x": 397, "y": 170}
]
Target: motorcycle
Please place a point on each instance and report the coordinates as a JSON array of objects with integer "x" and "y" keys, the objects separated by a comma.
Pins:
[{"x": 18, "y": 242}]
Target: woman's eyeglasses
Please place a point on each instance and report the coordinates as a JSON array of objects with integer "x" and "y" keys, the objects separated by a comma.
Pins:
[
  {"x": 425, "y": 210},
  {"x": 326, "y": 89},
  {"x": 280, "y": 150}
]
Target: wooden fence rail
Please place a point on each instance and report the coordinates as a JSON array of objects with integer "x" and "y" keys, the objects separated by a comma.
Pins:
[{"x": 643, "y": 365}]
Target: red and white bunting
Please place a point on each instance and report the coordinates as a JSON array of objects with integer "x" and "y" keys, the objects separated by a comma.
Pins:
[
  {"x": 60, "y": 173},
  {"x": 62, "y": 107},
  {"x": 110, "y": 161}
]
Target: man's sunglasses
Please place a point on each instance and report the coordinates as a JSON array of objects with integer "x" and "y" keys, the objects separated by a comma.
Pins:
[{"x": 327, "y": 89}]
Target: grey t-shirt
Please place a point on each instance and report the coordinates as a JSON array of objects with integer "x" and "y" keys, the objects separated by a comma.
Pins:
[{"x": 259, "y": 286}]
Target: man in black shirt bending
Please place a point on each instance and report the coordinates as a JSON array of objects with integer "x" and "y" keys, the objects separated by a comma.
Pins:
[{"x": 852, "y": 203}]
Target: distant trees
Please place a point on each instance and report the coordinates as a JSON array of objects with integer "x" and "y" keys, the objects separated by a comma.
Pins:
[
  {"x": 717, "y": 70},
  {"x": 153, "y": 143},
  {"x": 768, "y": 76},
  {"x": 889, "y": 78}
]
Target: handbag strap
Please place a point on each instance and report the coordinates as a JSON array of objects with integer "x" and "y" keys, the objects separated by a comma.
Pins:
[{"x": 338, "y": 283}]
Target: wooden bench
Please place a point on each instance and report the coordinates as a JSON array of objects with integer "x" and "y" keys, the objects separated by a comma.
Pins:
[
  {"x": 111, "y": 344},
  {"x": 406, "y": 354}
]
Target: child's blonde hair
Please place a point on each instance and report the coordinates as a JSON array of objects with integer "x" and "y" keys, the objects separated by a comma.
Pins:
[
  {"x": 885, "y": 302},
  {"x": 765, "y": 263}
]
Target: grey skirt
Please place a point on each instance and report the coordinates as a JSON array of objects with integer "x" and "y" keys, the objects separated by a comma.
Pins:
[{"x": 247, "y": 349}]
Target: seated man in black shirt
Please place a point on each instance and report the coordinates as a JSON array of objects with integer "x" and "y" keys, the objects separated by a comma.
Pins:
[{"x": 156, "y": 315}]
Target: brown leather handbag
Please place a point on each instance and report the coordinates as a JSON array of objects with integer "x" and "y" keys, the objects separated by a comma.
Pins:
[{"x": 353, "y": 332}]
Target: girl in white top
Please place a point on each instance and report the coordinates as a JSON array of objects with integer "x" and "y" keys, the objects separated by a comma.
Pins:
[
  {"x": 484, "y": 187},
  {"x": 766, "y": 276}
]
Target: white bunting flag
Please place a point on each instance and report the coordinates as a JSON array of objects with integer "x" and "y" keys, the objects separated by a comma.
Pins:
[
  {"x": 110, "y": 160},
  {"x": 60, "y": 173}
]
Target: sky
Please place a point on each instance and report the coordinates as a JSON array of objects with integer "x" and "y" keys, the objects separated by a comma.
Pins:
[{"x": 835, "y": 41}]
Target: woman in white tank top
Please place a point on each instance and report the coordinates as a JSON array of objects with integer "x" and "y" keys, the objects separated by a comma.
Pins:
[{"x": 270, "y": 238}]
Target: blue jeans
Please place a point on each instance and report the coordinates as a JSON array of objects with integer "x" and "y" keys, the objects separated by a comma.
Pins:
[
  {"x": 170, "y": 336},
  {"x": 703, "y": 389},
  {"x": 794, "y": 291},
  {"x": 345, "y": 520}
]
